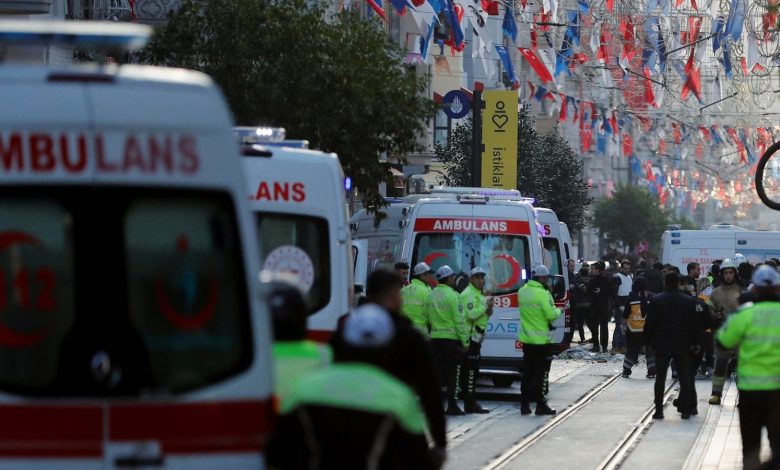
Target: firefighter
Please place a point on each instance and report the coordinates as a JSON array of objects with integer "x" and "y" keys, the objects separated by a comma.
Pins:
[
  {"x": 725, "y": 301},
  {"x": 414, "y": 296},
  {"x": 537, "y": 314},
  {"x": 477, "y": 309},
  {"x": 449, "y": 333},
  {"x": 294, "y": 355},
  {"x": 755, "y": 332}
]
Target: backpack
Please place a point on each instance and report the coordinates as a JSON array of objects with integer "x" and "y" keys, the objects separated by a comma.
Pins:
[{"x": 636, "y": 321}]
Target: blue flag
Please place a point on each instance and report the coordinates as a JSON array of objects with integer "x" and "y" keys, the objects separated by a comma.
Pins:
[
  {"x": 452, "y": 21},
  {"x": 509, "y": 26},
  {"x": 508, "y": 67},
  {"x": 736, "y": 20},
  {"x": 541, "y": 92}
]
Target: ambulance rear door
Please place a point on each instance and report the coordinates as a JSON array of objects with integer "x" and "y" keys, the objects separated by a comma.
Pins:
[{"x": 297, "y": 197}]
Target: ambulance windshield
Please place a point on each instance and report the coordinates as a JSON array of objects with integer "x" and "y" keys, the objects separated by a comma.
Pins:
[
  {"x": 505, "y": 258},
  {"x": 118, "y": 292}
]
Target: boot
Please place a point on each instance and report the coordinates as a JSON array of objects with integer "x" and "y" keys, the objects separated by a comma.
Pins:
[
  {"x": 454, "y": 410},
  {"x": 543, "y": 409},
  {"x": 659, "y": 413},
  {"x": 525, "y": 409},
  {"x": 626, "y": 373},
  {"x": 650, "y": 373},
  {"x": 474, "y": 407},
  {"x": 715, "y": 400}
]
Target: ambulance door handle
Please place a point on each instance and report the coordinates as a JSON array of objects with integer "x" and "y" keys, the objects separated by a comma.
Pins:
[
  {"x": 135, "y": 461},
  {"x": 506, "y": 318}
]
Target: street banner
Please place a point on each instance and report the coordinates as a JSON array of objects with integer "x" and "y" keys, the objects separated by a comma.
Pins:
[{"x": 499, "y": 136}]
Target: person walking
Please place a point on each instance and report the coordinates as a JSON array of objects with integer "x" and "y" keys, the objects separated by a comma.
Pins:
[
  {"x": 581, "y": 303},
  {"x": 477, "y": 309},
  {"x": 655, "y": 279},
  {"x": 755, "y": 333},
  {"x": 449, "y": 333},
  {"x": 353, "y": 414},
  {"x": 537, "y": 314},
  {"x": 724, "y": 301},
  {"x": 600, "y": 292},
  {"x": 414, "y": 296},
  {"x": 624, "y": 288},
  {"x": 670, "y": 331},
  {"x": 294, "y": 356},
  {"x": 412, "y": 359},
  {"x": 635, "y": 310}
]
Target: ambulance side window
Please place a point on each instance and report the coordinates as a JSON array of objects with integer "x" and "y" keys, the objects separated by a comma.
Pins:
[
  {"x": 37, "y": 301},
  {"x": 185, "y": 290},
  {"x": 553, "y": 250},
  {"x": 300, "y": 245}
]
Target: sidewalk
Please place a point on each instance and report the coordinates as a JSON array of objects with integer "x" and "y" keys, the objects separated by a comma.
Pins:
[{"x": 719, "y": 445}]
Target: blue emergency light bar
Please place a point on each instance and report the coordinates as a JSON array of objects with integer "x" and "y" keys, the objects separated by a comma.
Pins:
[{"x": 83, "y": 34}]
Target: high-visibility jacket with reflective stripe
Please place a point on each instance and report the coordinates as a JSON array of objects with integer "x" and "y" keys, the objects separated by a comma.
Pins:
[
  {"x": 446, "y": 315},
  {"x": 361, "y": 387},
  {"x": 414, "y": 297},
  {"x": 537, "y": 313},
  {"x": 296, "y": 359},
  {"x": 474, "y": 308},
  {"x": 755, "y": 330}
]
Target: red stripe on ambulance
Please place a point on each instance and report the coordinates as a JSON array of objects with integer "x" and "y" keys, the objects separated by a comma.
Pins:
[
  {"x": 450, "y": 224},
  {"x": 51, "y": 431},
  {"x": 43, "y": 153}
]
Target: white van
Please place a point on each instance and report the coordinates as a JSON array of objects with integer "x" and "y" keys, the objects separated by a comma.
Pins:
[
  {"x": 132, "y": 332},
  {"x": 554, "y": 257},
  {"x": 680, "y": 247},
  {"x": 384, "y": 234},
  {"x": 297, "y": 197},
  {"x": 495, "y": 230}
]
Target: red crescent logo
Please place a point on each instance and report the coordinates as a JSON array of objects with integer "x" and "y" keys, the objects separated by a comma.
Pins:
[
  {"x": 9, "y": 337},
  {"x": 433, "y": 257},
  {"x": 515, "y": 277},
  {"x": 187, "y": 322}
]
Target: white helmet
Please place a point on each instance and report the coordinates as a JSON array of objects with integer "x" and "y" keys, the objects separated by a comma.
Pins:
[
  {"x": 540, "y": 271},
  {"x": 444, "y": 272},
  {"x": 739, "y": 258},
  {"x": 728, "y": 264},
  {"x": 766, "y": 276}
]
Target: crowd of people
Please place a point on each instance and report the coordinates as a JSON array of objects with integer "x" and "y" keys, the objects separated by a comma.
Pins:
[{"x": 373, "y": 396}]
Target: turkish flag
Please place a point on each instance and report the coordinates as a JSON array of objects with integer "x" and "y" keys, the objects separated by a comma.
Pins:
[{"x": 536, "y": 64}]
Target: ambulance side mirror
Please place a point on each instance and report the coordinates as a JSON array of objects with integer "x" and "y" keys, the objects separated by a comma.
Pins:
[{"x": 558, "y": 287}]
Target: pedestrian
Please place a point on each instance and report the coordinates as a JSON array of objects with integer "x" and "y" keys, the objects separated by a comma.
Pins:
[
  {"x": 354, "y": 414},
  {"x": 715, "y": 272},
  {"x": 402, "y": 269},
  {"x": 449, "y": 333},
  {"x": 600, "y": 292},
  {"x": 624, "y": 288},
  {"x": 537, "y": 314},
  {"x": 414, "y": 296},
  {"x": 635, "y": 310},
  {"x": 294, "y": 356},
  {"x": 581, "y": 303},
  {"x": 694, "y": 272},
  {"x": 702, "y": 321},
  {"x": 755, "y": 332},
  {"x": 725, "y": 301},
  {"x": 655, "y": 279},
  {"x": 477, "y": 309},
  {"x": 670, "y": 330},
  {"x": 412, "y": 359},
  {"x": 745, "y": 273}
]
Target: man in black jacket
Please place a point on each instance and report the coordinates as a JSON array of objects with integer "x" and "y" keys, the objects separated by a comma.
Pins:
[
  {"x": 412, "y": 358},
  {"x": 601, "y": 290},
  {"x": 655, "y": 279},
  {"x": 671, "y": 330}
]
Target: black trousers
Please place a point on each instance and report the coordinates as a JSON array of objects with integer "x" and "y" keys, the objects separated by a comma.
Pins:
[
  {"x": 686, "y": 401},
  {"x": 534, "y": 367},
  {"x": 758, "y": 410},
  {"x": 448, "y": 358},
  {"x": 579, "y": 313},
  {"x": 469, "y": 371},
  {"x": 601, "y": 316}
]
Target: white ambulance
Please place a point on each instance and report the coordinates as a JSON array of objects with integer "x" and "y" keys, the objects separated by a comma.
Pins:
[
  {"x": 298, "y": 198},
  {"x": 554, "y": 256},
  {"x": 132, "y": 332},
  {"x": 383, "y": 235},
  {"x": 495, "y": 230},
  {"x": 680, "y": 247}
]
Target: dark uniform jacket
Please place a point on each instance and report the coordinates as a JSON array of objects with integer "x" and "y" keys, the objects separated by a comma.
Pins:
[
  {"x": 672, "y": 322},
  {"x": 601, "y": 290},
  {"x": 655, "y": 281}
]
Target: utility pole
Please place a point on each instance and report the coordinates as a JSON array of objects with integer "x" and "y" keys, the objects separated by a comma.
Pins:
[{"x": 476, "y": 137}]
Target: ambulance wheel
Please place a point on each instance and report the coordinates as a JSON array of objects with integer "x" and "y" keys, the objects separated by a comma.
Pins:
[
  {"x": 759, "y": 179},
  {"x": 501, "y": 381}
]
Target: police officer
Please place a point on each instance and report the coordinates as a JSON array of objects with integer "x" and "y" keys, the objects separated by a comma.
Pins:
[
  {"x": 755, "y": 331},
  {"x": 449, "y": 333},
  {"x": 415, "y": 294},
  {"x": 477, "y": 309},
  {"x": 725, "y": 301},
  {"x": 537, "y": 314},
  {"x": 294, "y": 356},
  {"x": 354, "y": 414}
]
